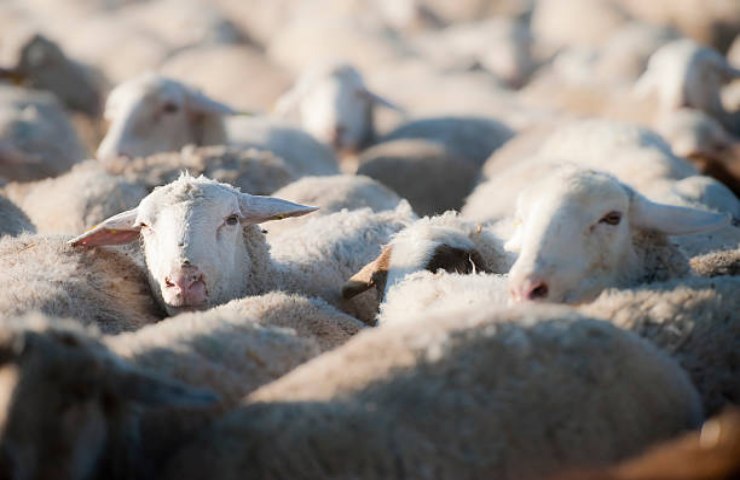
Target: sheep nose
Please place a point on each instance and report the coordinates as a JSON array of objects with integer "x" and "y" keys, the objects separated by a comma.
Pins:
[
  {"x": 529, "y": 290},
  {"x": 337, "y": 136},
  {"x": 187, "y": 284}
]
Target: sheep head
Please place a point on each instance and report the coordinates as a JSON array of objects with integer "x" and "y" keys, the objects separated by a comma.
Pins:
[
  {"x": 333, "y": 103},
  {"x": 151, "y": 114},
  {"x": 437, "y": 243},
  {"x": 193, "y": 241},
  {"x": 575, "y": 235},
  {"x": 64, "y": 398}
]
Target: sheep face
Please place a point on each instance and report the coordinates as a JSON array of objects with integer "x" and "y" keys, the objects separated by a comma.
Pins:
[
  {"x": 574, "y": 235},
  {"x": 335, "y": 106},
  {"x": 152, "y": 114},
  {"x": 193, "y": 239},
  {"x": 64, "y": 397}
]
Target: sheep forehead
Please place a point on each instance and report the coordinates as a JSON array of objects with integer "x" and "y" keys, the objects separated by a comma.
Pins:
[
  {"x": 583, "y": 190},
  {"x": 191, "y": 191}
]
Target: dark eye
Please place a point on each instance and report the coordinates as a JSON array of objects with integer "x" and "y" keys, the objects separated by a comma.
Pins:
[
  {"x": 611, "y": 218},
  {"x": 170, "y": 108},
  {"x": 232, "y": 220}
]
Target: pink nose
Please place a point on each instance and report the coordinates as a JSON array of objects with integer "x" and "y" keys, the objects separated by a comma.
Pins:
[
  {"x": 187, "y": 286},
  {"x": 529, "y": 290}
]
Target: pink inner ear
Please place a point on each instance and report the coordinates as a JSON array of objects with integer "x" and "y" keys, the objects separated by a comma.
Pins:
[{"x": 105, "y": 236}]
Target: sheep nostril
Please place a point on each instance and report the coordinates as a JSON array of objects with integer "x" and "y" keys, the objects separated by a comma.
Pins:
[
  {"x": 168, "y": 282},
  {"x": 538, "y": 290}
]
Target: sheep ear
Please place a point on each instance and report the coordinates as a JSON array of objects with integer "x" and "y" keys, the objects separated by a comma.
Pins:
[
  {"x": 258, "y": 208},
  {"x": 146, "y": 389},
  {"x": 378, "y": 100},
  {"x": 197, "y": 102},
  {"x": 374, "y": 274},
  {"x": 117, "y": 230},
  {"x": 673, "y": 220}
]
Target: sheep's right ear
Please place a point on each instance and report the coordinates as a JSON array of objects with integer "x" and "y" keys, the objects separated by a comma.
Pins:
[
  {"x": 374, "y": 274},
  {"x": 141, "y": 387},
  {"x": 117, "y": 230},
  {"x": 673, "y": 220}
]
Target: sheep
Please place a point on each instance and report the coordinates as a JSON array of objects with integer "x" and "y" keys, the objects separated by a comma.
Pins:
[
  {"x": 712, "y": 453},
  {"x": 637, "y": 156},
  {"x": 254, "y": 171},
  {"x": 446, "y": 242},
  {"x": 331, "y": 194},
  {"x": 101, "y": 287},
  {"x": 13, "y": 221},
  {"x": 692, "y": 319},
  {"x": 151, "y": 114},
  {"x": 220, "y": 70},
  {"x": 512, "y": 394},
  {"x": 75, "y": 200},
  {"x": 332, "y": 102},
  {"x": 202, "y": 246},
  {"x": 42, "y": 65},
  {"x": 72, "y": 409},
  {"x": 685, "y": 74},
  {"x": 579, "y": 231},
  {"x": 36, "y": 134},
  {"x": 237, "y": 347}
]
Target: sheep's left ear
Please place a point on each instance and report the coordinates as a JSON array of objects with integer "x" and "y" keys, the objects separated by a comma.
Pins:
[
  {"x": 198, "y": 103},
  {"x": 378, "y": 100},
  {"x": 116, "y": 230},
  {"x": 374, "y": 274},
  {"x": 673, "y": 220},
  {"x": 258, "y": 208}
]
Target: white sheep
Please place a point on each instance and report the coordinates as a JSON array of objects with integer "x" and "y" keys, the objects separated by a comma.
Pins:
[
  {"x": 37, "y": 139},
  {"x": 331, "y": 194},
  {"x": 637, "y": 156},
  {"x": 73, "y": 410},
  {"x": 203, "y": 247},
  {"x": 689, "y": 318},
  {"x": 13, "y": 221},
  {"x": 578, "y": 231},
  {"x": 101, "y": 287},
  {"x": 446, "y": 242},
  {"x": 151, "y": 114},
  {"x": 332, "y": 102},
  {"x": 686, "y": 74},
  {"x": 465, "y": 394},
  {"x": 237, "y": 347}
]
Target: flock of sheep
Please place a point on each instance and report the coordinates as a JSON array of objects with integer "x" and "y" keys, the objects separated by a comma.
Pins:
[{"x": 370, "y": 239}]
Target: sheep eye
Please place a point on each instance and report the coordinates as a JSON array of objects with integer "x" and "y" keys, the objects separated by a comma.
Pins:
[
  {"x": 170, "y": 108},
  {"x": 611, "y": 218},
  {"x": 232, "y": 220}
]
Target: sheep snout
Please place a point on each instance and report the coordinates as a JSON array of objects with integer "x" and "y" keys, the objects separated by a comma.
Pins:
[{"x": 185, "y": 287}]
